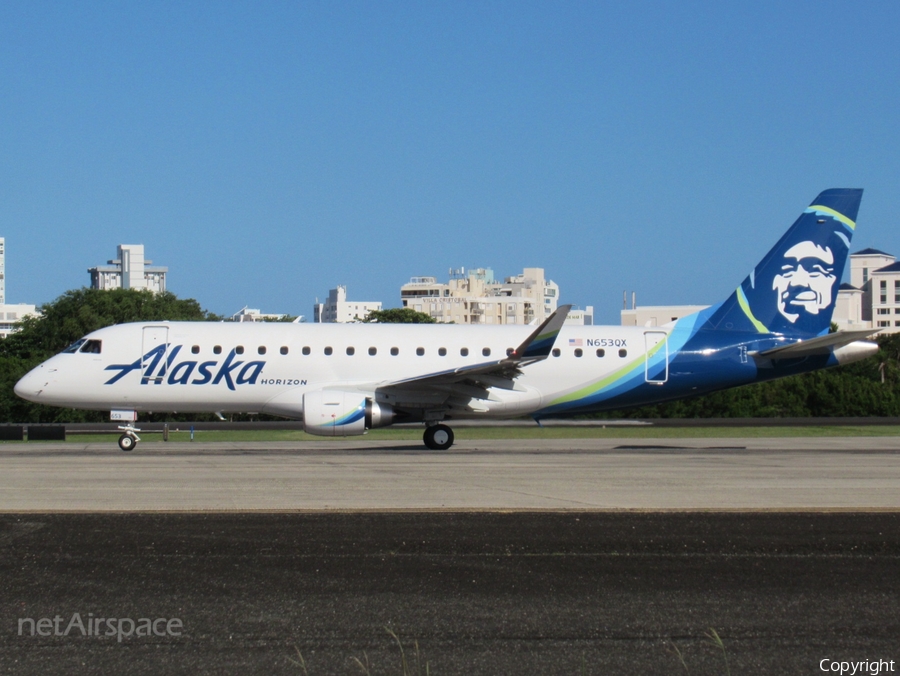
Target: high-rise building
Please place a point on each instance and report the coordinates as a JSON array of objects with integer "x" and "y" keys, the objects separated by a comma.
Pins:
[
  {"x": 129, "y": 270},
  {"x": 475, "y": 297},
  {"x": 10, "y": 315},
  {"x": 337, "y": 309}
]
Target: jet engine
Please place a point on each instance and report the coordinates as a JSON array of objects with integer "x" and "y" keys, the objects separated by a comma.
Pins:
[{"x": 334, "y": 413}]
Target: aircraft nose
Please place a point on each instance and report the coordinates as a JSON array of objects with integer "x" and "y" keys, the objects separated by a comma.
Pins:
[{"x": 30, "y": 386}]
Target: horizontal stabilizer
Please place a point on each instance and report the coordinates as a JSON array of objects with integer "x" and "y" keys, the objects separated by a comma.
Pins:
[{"x": 820, "y": 345}]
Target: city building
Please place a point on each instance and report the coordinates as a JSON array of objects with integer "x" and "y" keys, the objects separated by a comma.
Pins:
[
  {"x": 248, "y": 314},
  {"x": 337, "y": 309},
  {"x": 848, "y": 310},
  {"x": 579, "y": 317},
  {"x": 475, "y": 297},
  {"x": 862, "y": 265},
  {"x": 884, "y": 287},
  {"x": 129, "y": 270},
  {"x": 12, "y": 314},
  {"x": 657, "y": 315}
]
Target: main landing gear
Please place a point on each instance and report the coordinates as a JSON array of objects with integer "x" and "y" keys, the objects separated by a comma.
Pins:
[{"x": 438, "y": 437}]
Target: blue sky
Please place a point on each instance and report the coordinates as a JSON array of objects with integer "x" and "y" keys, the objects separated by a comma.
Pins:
[{"x": 268, "y": 151}]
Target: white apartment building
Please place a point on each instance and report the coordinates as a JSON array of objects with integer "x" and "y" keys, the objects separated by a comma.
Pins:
[
  {"x": 12, "y": 314},
  {"x": 337, "y": 309},
  {"x": 249, "y": 314},
  {"x": 579, "y": 317},
  {"x": 849, "y": 309},
  {"x": 475, "y": 297},
  {"x": 129, "y": 270},
  {"x": 884, "y": 287},
  {"x": 657, "y": 315},
  {"x": 862, "y": 265}
]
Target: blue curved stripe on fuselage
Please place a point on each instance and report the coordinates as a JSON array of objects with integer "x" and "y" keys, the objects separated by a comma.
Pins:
[{"x": 700, "y": 360}]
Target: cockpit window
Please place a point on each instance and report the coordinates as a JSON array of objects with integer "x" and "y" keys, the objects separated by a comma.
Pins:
[
  {"x": 91, "y": 346},
  {"x": 74, "y": 346}
]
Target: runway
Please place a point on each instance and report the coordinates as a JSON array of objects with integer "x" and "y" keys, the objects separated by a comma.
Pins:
[{"x": 810, "y": 473}]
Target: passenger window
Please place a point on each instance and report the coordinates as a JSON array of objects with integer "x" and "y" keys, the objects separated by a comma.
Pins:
[
  {"x": 217, "y": 349},
  {"x": 373, "y": 351},
  {"x": 195, "y": 349},
  {"x": 464, "y": 351},
  {"x": 420, "y": 351},
  {"x": 555, "y": 352},
  {"x": 601, "y": 352},
  {"x": 486, "y": 352},
  {"x": 394, "y": 351},
  {"x": 328, "y": 351},
  {"x": 284, "y": 349},
  {"x": 442, "y": 351},
  {"x": 239, "y": 349},
  {"x": 351, "y": 351},
  {"x": 306, "y": 350},
  {"x": 261, "y": 349},
  {"x": 578, "y": 352},
  {"x": 91, "y": 347},
  {"x": 623, "y": 353},
  {"x": 74, "y": 346}
]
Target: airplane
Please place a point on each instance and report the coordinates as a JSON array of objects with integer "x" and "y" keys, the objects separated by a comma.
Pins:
[{"x": 344, "y": 379}]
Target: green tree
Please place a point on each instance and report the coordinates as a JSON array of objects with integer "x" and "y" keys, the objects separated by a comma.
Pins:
[{"x": 398, "y": 315}]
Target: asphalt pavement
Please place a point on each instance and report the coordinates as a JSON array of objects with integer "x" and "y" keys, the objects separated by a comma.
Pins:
[{"x": 476, "y": 592}]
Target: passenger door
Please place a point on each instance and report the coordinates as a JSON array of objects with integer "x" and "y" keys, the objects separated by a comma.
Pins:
[
  {"x": 154, "y": 366},
  {"x": 651, "y": 340}
]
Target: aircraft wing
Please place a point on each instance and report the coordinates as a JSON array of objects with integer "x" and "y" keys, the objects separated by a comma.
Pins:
[
  {"x": 472, "y": 382},
  {"x": 818, "y": 345}
]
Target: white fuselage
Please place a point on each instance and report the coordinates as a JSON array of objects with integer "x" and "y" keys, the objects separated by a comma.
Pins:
[{"x": 268, "y": 367}]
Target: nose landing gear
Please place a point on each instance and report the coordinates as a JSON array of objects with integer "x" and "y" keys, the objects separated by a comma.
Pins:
[
  {"x": 438, "y": 437},
  {"x": 129, "y": 440}
]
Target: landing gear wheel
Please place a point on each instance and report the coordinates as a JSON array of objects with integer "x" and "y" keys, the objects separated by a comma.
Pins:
[
  {"x": 127, "y": 442},
  {"x": 438, "y": 437}
]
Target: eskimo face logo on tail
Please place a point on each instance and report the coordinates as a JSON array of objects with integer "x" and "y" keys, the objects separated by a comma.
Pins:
[
  {"x": 806, "y": 280},
  {"x": 155, "y": 369}
]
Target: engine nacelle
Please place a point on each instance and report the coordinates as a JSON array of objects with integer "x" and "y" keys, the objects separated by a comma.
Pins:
[{"x": 334, "y": 413}]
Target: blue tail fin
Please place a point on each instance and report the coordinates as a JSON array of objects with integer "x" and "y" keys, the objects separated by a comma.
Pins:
[{"x": 794, "y": 288}]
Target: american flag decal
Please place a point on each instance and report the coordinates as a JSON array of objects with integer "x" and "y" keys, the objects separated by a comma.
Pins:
[{"x": 575, "y": 342}]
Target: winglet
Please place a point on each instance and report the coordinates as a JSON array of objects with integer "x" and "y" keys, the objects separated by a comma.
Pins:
[{"x": 540, "y": 342}]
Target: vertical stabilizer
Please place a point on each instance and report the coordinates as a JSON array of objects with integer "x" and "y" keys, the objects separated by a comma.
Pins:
[{"x": 793, "y": 290}]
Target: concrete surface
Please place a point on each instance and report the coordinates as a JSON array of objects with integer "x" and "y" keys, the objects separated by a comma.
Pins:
[{"x": 861, "y": 473}]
